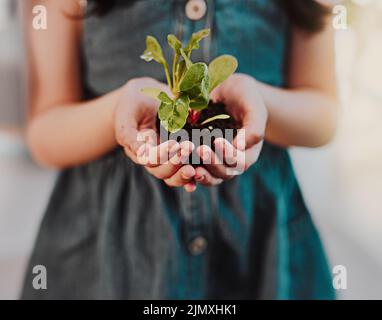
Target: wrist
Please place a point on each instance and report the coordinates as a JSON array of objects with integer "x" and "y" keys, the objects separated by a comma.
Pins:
[
  {"x": 114, "y": 98},
  {"x": 260, "y": 102}
]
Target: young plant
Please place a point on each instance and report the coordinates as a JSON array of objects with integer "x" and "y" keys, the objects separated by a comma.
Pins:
[{"x": 190, "y": 83}]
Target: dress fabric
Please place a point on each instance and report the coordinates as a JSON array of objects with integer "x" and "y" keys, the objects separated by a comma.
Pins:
[{"x": 112, "y": 231}]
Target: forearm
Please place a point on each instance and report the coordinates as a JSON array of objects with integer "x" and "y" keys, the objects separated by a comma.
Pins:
[
  {"x": 299, "y": 117},
  {"x": 69, "y": 135}
]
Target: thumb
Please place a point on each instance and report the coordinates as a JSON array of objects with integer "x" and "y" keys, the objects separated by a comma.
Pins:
[
  {"x": 247, "y": 137},
  {"x": 254, "y": 125},
  {"x": 135, "y": 139}
]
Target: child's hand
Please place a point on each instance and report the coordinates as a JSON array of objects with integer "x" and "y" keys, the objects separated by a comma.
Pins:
[
  {"x": 244, "y": 102},
  {"x": 135, "y": 127}
]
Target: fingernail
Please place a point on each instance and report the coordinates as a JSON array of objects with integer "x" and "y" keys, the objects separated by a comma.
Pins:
[
  {"x": 185, "y": 152},
  {"x": 219, "y": 140},
  {"x": 206, "y": 155},
  {"x": 141, "y": 151},
  {"x": 176, "y": 160},
  {"x": 190, "y": 187},
  {"x": 219, "y": 145},
  {"x": 174, "y": 148},
  {"x": 199, "y": 178},
  {"x": 241, "y": 144},
  {"x": 186, "y": 176}
]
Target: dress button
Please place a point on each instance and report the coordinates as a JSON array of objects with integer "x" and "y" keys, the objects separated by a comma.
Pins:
[
  {"x": 196, "y": 9},
  {"x": 198, "y": 245}
]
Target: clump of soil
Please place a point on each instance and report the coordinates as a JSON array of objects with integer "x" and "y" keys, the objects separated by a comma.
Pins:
[{"x": 222, "y": 124}]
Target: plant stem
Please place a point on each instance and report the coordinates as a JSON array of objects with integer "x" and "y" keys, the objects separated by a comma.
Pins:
[
  {"x": 174, "y": 78},
  {"x": 194, "y": 116},
  {"x": 168, "y": 77}
]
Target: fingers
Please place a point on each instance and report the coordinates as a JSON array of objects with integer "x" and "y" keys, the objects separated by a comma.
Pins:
[
  {"x": 175, "y": 173},
  {"x": 252, "y": 155},
  {"x": 213, "y": 163},
  {"x": 127, "y": 134},
  {"x": 154, "y": 155},
  {"x": 135, "y": 142},
  {"x": 167, "y": 161},
  {"x": 246, "y": 138},
  {"x": 190, "y": 187},
  {"x": 227, "y": 161},
  {"x": 251, "y": 144},
  {"x": 187, "y": 177},
  {"x": 183, "y": 177},
  {"x": 134, "y": 110},
  {"x": 205, "y": 178},
  {"x": 233, "y": 157},
  {"x": 170, "y": 167}
]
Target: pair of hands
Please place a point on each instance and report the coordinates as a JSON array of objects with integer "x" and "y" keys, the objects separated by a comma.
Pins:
[{"x": 135, "y": 113}]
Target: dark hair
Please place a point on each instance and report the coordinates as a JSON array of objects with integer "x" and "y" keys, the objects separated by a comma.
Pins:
[
  {"x": 102, "y": 7},
  {"x": 307, "y": 15}
]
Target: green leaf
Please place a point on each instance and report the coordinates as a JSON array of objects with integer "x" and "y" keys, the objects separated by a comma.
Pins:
[
  {"x": 195, "y": 84},
  {"x": 194, "y": 77},
  {"x": 199, "y": 103},
  {"x": 173, "y": 116},
  {"x": 218, "y": 117},
  {"x": 200, "y": 95},
  {"x": 186, "y": 59},
  {"x": 195, "y": 39},
  {"x": 220, "y": 69},
  {"x": 174, "y": 43},
  {"x": 163, "y": 97},
  {"x": 153, "y": 51},
  {"x": 182, "y": 106},
  {"x": 152, "y": 92},
  {"x": 180, "y": 69}
]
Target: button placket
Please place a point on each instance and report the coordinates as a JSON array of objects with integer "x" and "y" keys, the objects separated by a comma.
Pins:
[
  {"x": 195, "y": 206},
  {"x": 198, "y": 245},
  {"x": 194, "y": 223},
  {"x": 202, "y": 16}
]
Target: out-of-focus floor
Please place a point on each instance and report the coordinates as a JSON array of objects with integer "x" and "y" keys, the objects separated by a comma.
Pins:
[{"x": 24, "y": 190}]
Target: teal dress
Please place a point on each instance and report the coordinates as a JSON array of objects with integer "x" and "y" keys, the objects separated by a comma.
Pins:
[{"x": 113, "y": 231}]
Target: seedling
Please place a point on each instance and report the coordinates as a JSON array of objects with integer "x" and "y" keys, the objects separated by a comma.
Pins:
[{"x": 190, "y": 83}]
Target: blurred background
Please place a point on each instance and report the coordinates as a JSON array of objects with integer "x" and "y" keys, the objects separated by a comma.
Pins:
[{"x": 342, "y": 182}]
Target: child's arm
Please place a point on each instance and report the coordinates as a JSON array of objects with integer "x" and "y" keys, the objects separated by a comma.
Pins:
[
  {"x": 74, "y": 133},
  {"x": 305, "y": 113},
  {"x": 62, "y": 131}
]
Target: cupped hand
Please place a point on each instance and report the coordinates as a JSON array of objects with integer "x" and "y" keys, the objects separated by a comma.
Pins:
[
  {"x": 244, "y": 102},
  {"x": 135, "y": 128}
]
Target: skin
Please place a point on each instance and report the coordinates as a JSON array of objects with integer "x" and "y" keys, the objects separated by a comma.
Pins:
[{"x": 60, "y": 134}]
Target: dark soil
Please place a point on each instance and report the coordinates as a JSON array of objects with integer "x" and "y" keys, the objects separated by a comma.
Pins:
[{"x": 212, "y": 110}]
